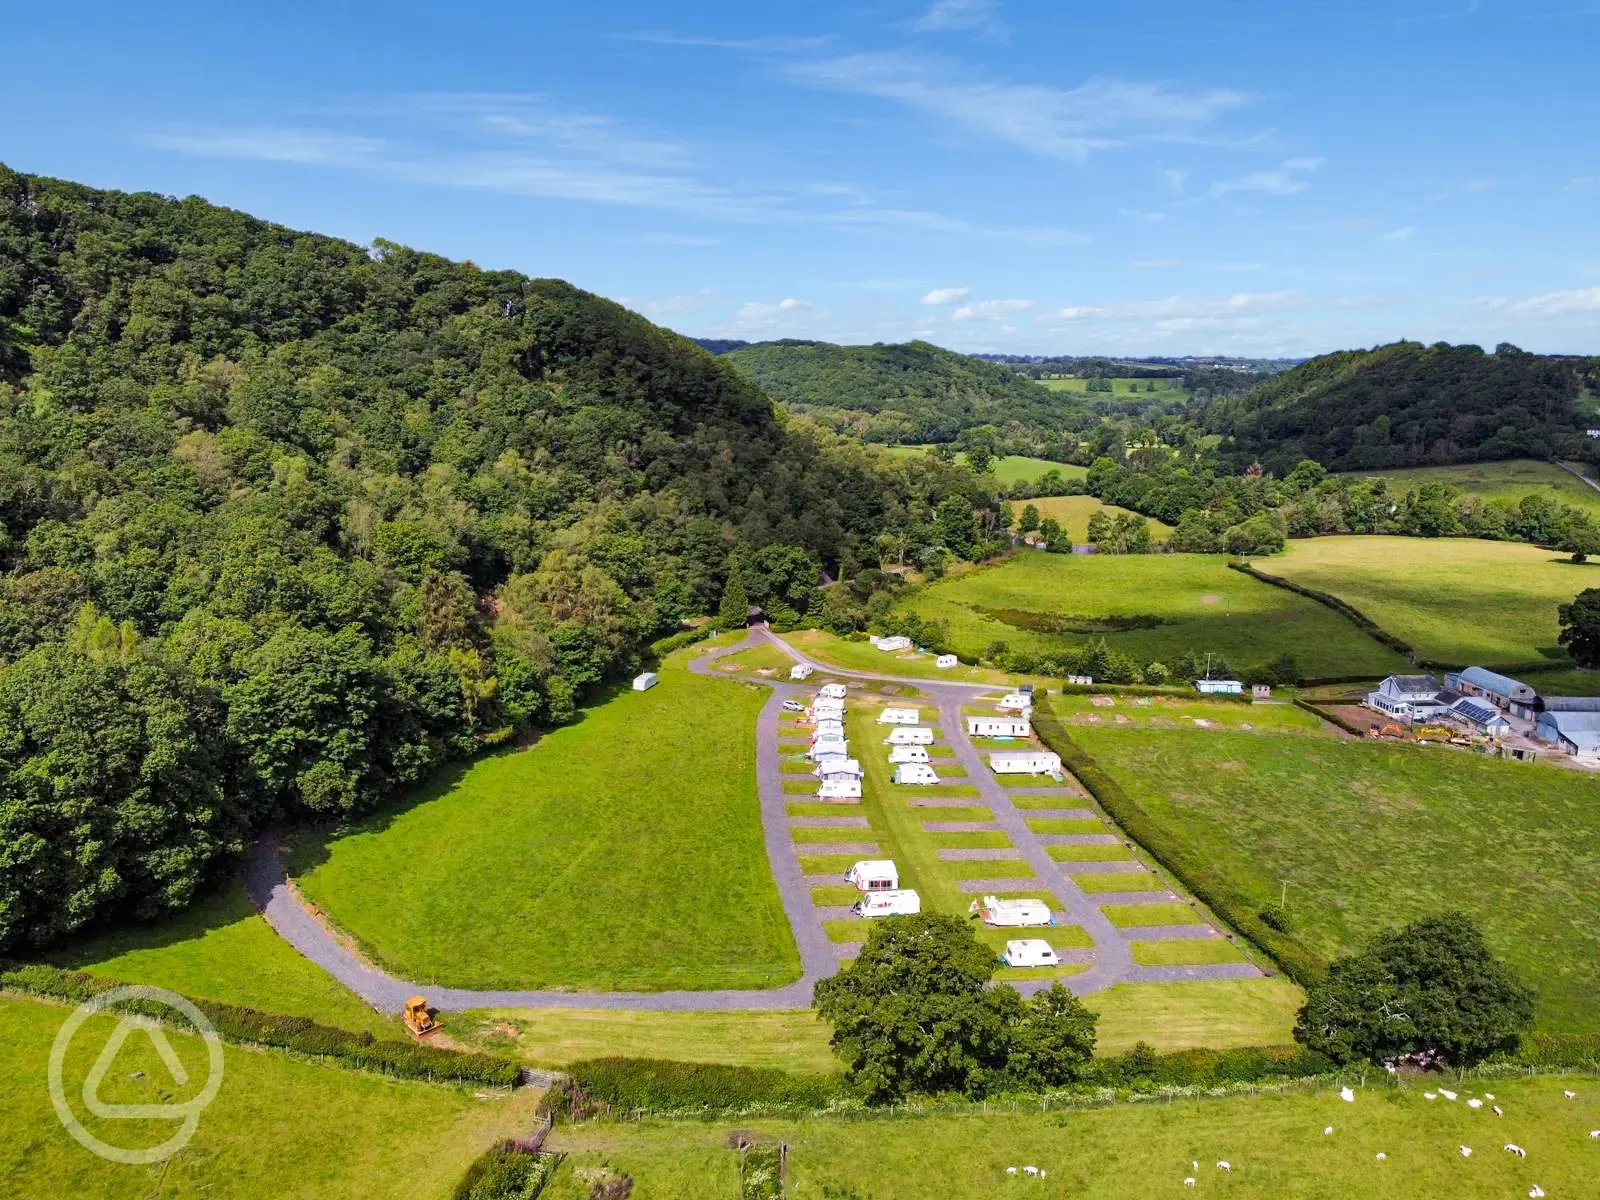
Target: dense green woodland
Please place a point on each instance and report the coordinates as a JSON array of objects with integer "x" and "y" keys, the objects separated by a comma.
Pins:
[{"x": 286, "y": 522}]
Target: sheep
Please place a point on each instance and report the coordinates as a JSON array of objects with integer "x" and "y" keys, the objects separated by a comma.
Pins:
[
  {"x": 1430, "y": 1095},
  {"x": 1535, "y": 1192},
  {"x": 1382, "y": 1157},
  {"x": 1488, "y": 1095},
  {"x": 1030, "y": 1170},
  {"x": 1194, "y": 1165},
  {"x": 1513, "y": 1148},
  {"x": 1224, "y": 1165},
  {"x": 1347, "y": 1095},
  {"x": 1466, "y": 1151},
  {"x": 1448, "y": 1095},
  {"x": 1498, "y": 1111},
  {"x": 1327, "y": 1131},
  {"x": 1474, "y": 1103},
  {"x": 1570, "y": 1095},
  {"x": 1011, "y": 1170},
  {"x": 1188, "y": 1181},
  {"x": 1594, "y": 1135}
]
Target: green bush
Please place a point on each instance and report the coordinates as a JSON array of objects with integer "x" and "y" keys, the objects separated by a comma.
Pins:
[
  {"x": 503, "y": 1172},
  {"x": 678, "y": 641},
  {"x": 1557, "y": 1052},
  {"x": 301, "y": 1035},
  {"x": 1141, "y": 689},
  {"x": 1274, "y": 916},
  {"x": 1142, "y": 1068},
  {"x": 1327, "y": 714},
  {"x": 656, "y": 1085},
  {"x": 761, "y": 1173}
]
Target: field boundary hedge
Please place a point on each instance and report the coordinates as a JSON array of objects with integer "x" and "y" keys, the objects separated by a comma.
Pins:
[
  {"x": 1332, "y": 718},
  {"x": 1367, "y": 625},
  {"x": 1298, "y": 961},
  {"x": 299, "y": 1035},
  {"x": 1149, "y": 689},
  {"x": 677, "y": 641}
]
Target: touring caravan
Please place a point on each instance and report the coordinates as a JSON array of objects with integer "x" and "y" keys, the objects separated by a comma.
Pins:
[
  {"x": 840, "y": 787},
  {"x": 832, "y": 691},
  {"x": 873, "y": 875},
  {"x": 898, "y": 716},
  {"x": 800, "y": 672},
  {"x": 888, "y": 904},
  {"x": 1012, "y": 914},
  {"x": 1015, "y": 702},
  {"x": 908, "y": 754},
  {"x": 1030, "y": 952},
  {"x": 945, "y": 661},
  {"x": 909, "y": 735},
  {"x": 915, "y": 773}
]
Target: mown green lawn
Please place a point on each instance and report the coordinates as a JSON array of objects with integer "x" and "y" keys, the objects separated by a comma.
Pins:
[
  {"x": 1508, "y": 481},
  {"x": 765, "y": 659},
  {"x": 1455, "y": 600},
  {"x": 1191, "y": 602},
  {"x": 1175, "y": 712},
  {"x": 839, "y": 652},
  {"x": 1369, "y": 836},
  {"x": 1273, "y": 1142},
  {"x": 1007, "y": 470},
  {"x": 622, "y": 852},
  {"x": 221, "y": 949},
  {"x": 279, "y": 1126}
]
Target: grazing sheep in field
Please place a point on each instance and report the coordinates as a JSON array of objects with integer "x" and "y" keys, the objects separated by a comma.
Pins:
[
  {"x": 1030, "y": 1170},
  {"x": 1488, "y": 1095},
  {"x": 1188, "y": 1181},
  {"x": 1474, "y": 1103},
  {"x": 1327, "y": 1131},
  {"x": 1348, "y": 1096},
  {"x": 1448, "y": 1095},
  {"x": 1594, "y": 1135},
  {"x": 1382, "y": 1157},
  {"x": 1011, "y": 1170},
  {"x": 1498, "y": 1111},
  {"x": 1535, "y": 1192},
  {"x": 1570, "y": 1095},
  {"x": 1194, "y": 1166},
  {"x": 1430, "y": 1095},
  {"x": 1466, "y": 1151},
  {"x": 1224, "y": 1165},
  {"x": 1513, "y": 1148}
]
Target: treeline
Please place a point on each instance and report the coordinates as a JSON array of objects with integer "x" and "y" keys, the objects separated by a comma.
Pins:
[{"x": 286, "y": 523}]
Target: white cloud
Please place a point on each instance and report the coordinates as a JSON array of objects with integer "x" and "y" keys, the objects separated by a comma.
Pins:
[
  {"x": 1078, "y": 312},
  {"x": 1175, "y": 180},
  {"x": 1552, "y": 304},
  {"x": 1285, "y": 181},
  {"x": 1155, "y": 264},
  {"x": 944, "y": 15},
  {"x": 659, "y": 307},
  {"x": 268, "y": 144},
  {"x": 1180, "y": 308},
  {"x": 1046, "y": 120},
  {"x": 1142, "y": 214},
  {"x": 990, "y": 310},
  {"x": 780, "y": 44},
  {"x": 947, "y": 295},
  {"x": 1303, "y": 164},
  {"x": 1402, "y": 234}
]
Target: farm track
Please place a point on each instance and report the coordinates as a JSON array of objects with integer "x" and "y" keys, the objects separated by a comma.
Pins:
[{"x": 1111, "y": 958}]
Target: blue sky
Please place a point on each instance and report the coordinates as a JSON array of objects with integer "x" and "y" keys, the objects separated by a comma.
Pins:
[{"x": 1264, "y": 177}]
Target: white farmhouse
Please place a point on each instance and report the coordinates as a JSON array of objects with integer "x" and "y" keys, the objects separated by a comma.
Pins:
[
  {"x": 1026, "y": 762},
  {"x": 1400, "y": 696},
  {"x": 898, "y": 716},
  {"x": 909, "y": 735},
  {"x": 981, "y": 726},
  {"x": 915, "y": 773},
  {"x": 801, "y": 672},
  {"x": 908, "y": 754}
]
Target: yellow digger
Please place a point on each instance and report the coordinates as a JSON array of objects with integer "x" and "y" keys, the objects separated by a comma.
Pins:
[{"x": 419, "y": 1020}]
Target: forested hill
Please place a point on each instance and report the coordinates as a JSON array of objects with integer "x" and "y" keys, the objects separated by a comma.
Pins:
[
  {"x": 285, "y": 522},
  {"x": 1405, "y": 405},
  {"x": 900, "y": 393}
]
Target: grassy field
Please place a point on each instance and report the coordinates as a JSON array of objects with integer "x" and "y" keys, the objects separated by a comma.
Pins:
[
  {"x": 1073, "y": 512},
  {"x": 1455, "y": 600},
  {"x": 1369, "y": 836},
  {"x": 831, "y": 650},
  {"x": 279, "y": 1126},
  {"x": 1123, "y": 389},
  {"x": 220, "y": 949},
  {"x": 1274, "y": 1143},
  {"x": 763, "y": 660},
  {"x": 1181, "y": 712},
  {"x": 1191, "y": 601},
  {"x": 1508, "y": 481},
  {"x": 583, "y": 862},
  {"x": 1008, "y": 469}
]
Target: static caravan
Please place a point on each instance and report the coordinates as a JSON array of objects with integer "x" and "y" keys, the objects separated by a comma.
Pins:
[
  {"x": 1219, "y": 687},
  {"x": 1012, "y": 914},
  {"x": 643, "y": 683},
  {"x": 909, "y": 735},
  {"x": 908, "y": 754},
  {"x": 844, "y": 768},
  {"x": 898, "y": 716},
  {"x": 873, "y": 875},
  {"x": 827, "y": 727},
  {"x": 1030, "y": 952},
  {"x": 828, "y": 710},
  {"x": 832, "y": 691},
  {"x": 946, "y": 661},
  {"x": 1015, "y": 702},
  {"x": 835, "y": 747},
  {"x": 998, "y": 727},
  {"x": 888, "y": 904},
  {"x": 896, "y": 643},
  {"x": 801, "y": 672},
  {"x": 839, "y": 787},
  {"x": 1026, "y": 762},
  {"x": 915, "y": 773}
]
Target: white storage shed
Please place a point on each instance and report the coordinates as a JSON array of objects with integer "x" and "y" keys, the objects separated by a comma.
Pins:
[
  {"x": 898, "y": 716},
  {"x": 998, "y": 727},
  {"x": 1026, "y": 762},
  {"x": 915, "y": 773},
  {"x": 908, "y": 754},
  {"x": 873, "y": 875},
  {"x": 644, "y": 682},
  {"x": 801, "y": 671},
  {"x": 909, "y": 735}
]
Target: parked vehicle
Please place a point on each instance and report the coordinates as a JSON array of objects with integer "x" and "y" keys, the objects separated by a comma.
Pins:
[
  {"x": 793, "y": 706},
  {"x": 1010, "y": 914}
]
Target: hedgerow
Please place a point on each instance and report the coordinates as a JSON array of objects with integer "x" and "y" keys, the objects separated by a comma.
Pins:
[
  {"x": 688, "y": 637},
  {"x": 1366, "y": 623},
  {"x": 506, "y": 1172},
  {"x": 623, "y": 1085},
  {"x": 1327, "y": 714}
]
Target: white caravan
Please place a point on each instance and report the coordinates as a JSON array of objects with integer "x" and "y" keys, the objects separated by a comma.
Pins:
[
  {"x": 840, "y": 787},
  {"x": 888, "y": 904},
  {"x": 832, "y": 691},
  {"x": 909, "y": 735},
  {"x": 1026, "y": 762},
  {"x": 846, "y": 768},
  {"x": 827, "y": 731},
  {"x": 1030, "y": 952},
  {"x": 915, "y": 773},
  {"x": 945, "y": 661},
  {"x": 1012, "y": 914},
  {"x": 898, "y": 716},
  {"x": 831, "y": 748},
  {"x": 1003, "y": 727},
  {"x": 1015, "y": 702},
  {"x": 800, "y": 672},
  {"x": 873, "y": 875},
  {"x": 894, "y": 644},
  {"x": 908, "y": 754}
]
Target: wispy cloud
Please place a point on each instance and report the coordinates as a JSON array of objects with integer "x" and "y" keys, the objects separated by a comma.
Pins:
[
  {"x": 991, "y": 310},
  {"x": 1175, "y": 179},
  {"x": 947, "y": 295},
  {"x": 1188, "y": 309},
  {"x": 1142, "y": 214},
  {"x": 1155, "y": 264},
  {"x": 1285, "y": 181},
  {"x": 981, "y": 16},
  {"x": 1403, "y": 234},
  {"x": 1039, "y": 118},
  {"x": 316, "y": 147},
  {"x": 1551, "y": 304},
  {"x": 670, "y": 239},
  {"x": 780, "y": 44}
]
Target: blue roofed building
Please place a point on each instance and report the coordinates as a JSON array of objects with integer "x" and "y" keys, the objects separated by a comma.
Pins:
[
  {"x": 1480, "y": 717},
  {"x": 1574, "y": 733},
  {"x": 1515, "y": 697}
]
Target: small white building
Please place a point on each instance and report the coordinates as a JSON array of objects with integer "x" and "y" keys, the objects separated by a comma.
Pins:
[
  {"x": 898, "y": 716},
  {"x": 915, "y": 773},
  {"x": 839, "y": 789},
  {"x": 1012, "y": 914},
  {"x": 801, "y": 672},
  {"x": 873, "y": 875},
  {"x": 1015, "y": 702},
  {"x": 909, "y": 735},
  {"x": 908, "y": 754},
  {"x": 835, "y": 748},
  {"x": 644, "y": 682},
  {"x": 893, "y": 644},
  {"x": 832, "y": 691},
  {"x": 899, "y": 903},
  {"x": 945, "y": 661},
  {"x": 1081, "y": 680},
  {"x": 1219, "y": 687},
  {"x": 1030, "y": 952},
  {"x": 1261, "y": 691},
  {"x": 998, "y": 727},
  {"x": 838, "y": 767},
  {"x": 1026, "y": 762},
  {"x": 1479, "y": 716}
]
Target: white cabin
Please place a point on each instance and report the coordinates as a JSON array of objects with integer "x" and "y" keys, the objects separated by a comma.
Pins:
[
  {"x": 1030, "y": 952},
  {"x": 839, "y": 787},
  {"x": 1219, "y": 687},
  {"x": 873, "y": 875},
  {"x": 898, "y": 716},
  {"x": 1026, "y": 762},
  {"x": 909, "y": 735},
  {"x": 1015, "y": 702},
  {"x": 896, "y": 643},
  {"x": 908, "y": 754},
  {"x": 832, "y": 691},
  {"x": 888, "y": 904},
  {"x": 945, "y": 661},
  {"x": 836, "y": 766},
  {"x": 1012, "y": 914},
  {"x": 833, "y": 747},
  {"x": 644, "y": 682},
  {"x": 998, "y": 727},
  {"x": 801, "y": 672},
  {"x": 915, "y": 773},
  {"x": 1081, "y": 680}
]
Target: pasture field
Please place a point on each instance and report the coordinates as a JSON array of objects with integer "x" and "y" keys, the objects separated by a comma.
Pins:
[
  {"x": 221, "y": 949},
  {"x": 1123, "y": 389},
  {"x": 1369, "y": 836},
  {"x": 1182, "y": 712},
  {"x": 582, "y": 862},
  {"x": 1274, "y": 1143},
  {"x": 761, "y": 660},
  {"x": 1007, "y": 469},
  {"x": 1455, "y": 600},
  {"x": 1183, "y": 602},
  {"x": 832, "y": 650},
  {"x": 1508, "y": 481},
  {"x": 280, "y": 1126},
  {"x": 1073, "y": 512}
]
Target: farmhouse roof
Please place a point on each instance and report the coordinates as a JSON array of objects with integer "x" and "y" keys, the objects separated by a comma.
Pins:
[{"x": 1415, "y": 685}]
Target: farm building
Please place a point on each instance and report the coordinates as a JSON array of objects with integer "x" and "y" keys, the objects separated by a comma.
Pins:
[
  {"x": 1480, "y": 717},
  {"x": 1575, "y": 733},
  {"x": 800, "y": 672},
  {"x": 1219, "y": 687},
  {"x": 837, "y": 767},
  {"x": 1574, "y": 704},
  {"x": 644, "y": 682},
  {"x": 1015, "y": 702},
  {"x": 832, "y": 691},
  {"x": 898, "y": 716},
  {"x": 1518, "y": 699},
  {"x": 873, "y": 875},
  {"x": 1399, "y": 695},
  {"x": 908, "y": 754},
  {"x": 946, "y": 661},
  {"x": 915, "y": 773},
  {"x": 892, "y": 644},
  {"x": 833, "y": 746},
  {"x": 1026, "y": 762},
  {"x": 909, "y": 735},
  {"x": 998, "y": 727},
  {"x": 839, "y": 789}
]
